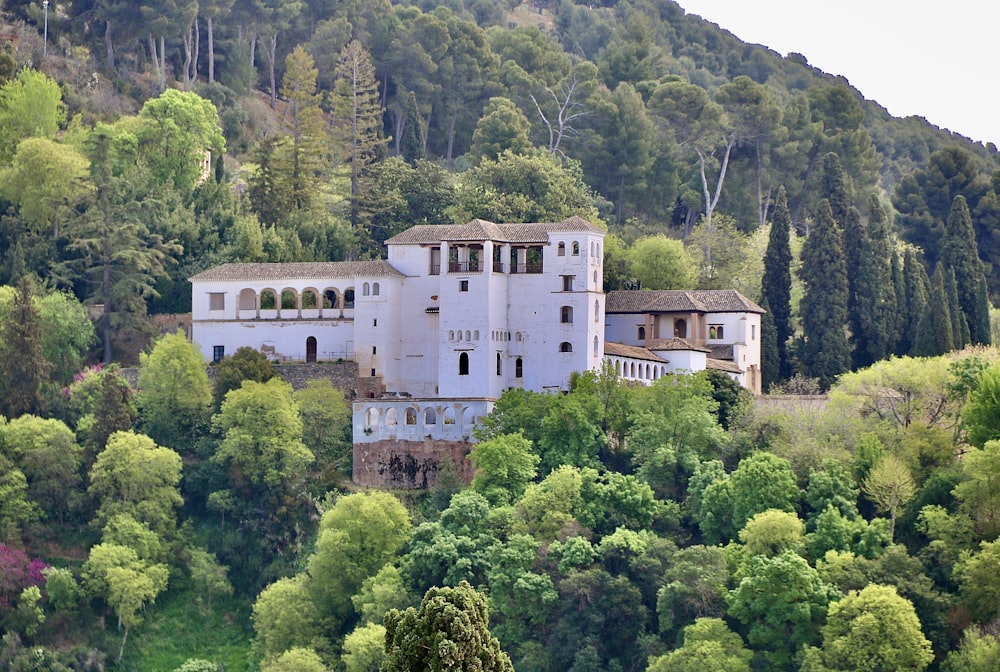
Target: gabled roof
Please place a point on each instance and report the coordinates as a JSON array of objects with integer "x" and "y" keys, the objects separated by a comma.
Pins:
[
  {"x": 722, "y": 365},
  {"x": 631, "y": 351},
  {"x": 482, "y": 230},
  {"x": 680, "y": 301},
  {"x": 306, "y": 270}
]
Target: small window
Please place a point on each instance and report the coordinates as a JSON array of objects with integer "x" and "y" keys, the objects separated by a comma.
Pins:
[
  {"x": 451, "y": 335},
  {"x": 468, "y": 335},
  {"x": 597, "y": 345},
  {"x": 349, "y": 298},
  {"x": 430, "y": 417},
  {"x": 517, "y": 336},
  {"x": 373, "y": 373},
  {"x": 518, "y": 368},
  {"x": 597, "y": 311},
  {"x": 566, "y": 315},
  {"x": 753, "y": 332},
  {"x": 568, "y": 282},
  {"x": 595, "y": 278},
  {"x": 576, "y": 249},
  {"x": 374, "y": 348},
  {"x": 391, "y": 417},
  {"x": 499, "y": 365},
  {"x": 375, "y": 322},
  {"x": 364, "y": 289},
  {"x": 463, "y": 364},
  {"x": 565, "y": 346},
  {"x": 216, "y": 301},
  {"x": 218, "y": 352},
  {"x": 411, "y": 416},
  {"x": 463, "y": 285},
  {"x": 561, "y": 250},
  {"x": 375, "y": 289},
  {"x": 642, "y": 333},
  {"x": 714, "y": 331}
]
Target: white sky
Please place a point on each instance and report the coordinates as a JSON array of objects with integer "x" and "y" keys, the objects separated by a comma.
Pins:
[{"x": 938, "y": 60}]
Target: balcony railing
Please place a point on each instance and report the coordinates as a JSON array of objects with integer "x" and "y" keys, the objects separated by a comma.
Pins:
[
  {"x": 435, "y": 269},
  {"x": 464, "y": 267},
  {"x": 526, "y": 268},
  {"x": 499, "y": 267}
]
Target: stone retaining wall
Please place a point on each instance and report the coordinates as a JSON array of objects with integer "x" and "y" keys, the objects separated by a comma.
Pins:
[{"x": 408, "y": 464}]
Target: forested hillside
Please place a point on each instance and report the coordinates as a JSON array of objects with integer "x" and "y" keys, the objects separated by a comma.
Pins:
[{"x": 190, "y": 524}]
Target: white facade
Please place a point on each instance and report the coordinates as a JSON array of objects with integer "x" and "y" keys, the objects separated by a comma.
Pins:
[{"x": 458, "y": 314}]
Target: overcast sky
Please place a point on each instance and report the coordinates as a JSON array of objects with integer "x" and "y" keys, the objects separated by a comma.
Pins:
[{"x": 938, "y": 60}]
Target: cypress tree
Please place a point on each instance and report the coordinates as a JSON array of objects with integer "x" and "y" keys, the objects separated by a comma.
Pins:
[
  {"x": 835, "y": 188},
  {"x": 960, "y": 254},
  {"x": 826, "y": 352},
  {"x": 916, "y": 296},
  {"x": 874, "y": 320},
  {"x": 770, "y": 359},
  {"x": 959, "y": 325},
  {"x": 23, "y": 367},
  {"x": 899, "y": 291},
  {"x": 934, "y": 330},
  {"x": 411, "y": 144},
  {"x": 776, "y": 285}
]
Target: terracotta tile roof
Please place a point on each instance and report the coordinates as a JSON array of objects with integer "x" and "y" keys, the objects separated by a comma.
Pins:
[
  {"x": 481, "y": 230},
  {"x": 722, "y": 365},
  {"x": 305, "y": 270},
  {"x": 680, "y": 301},
  {"x": 662, "y": 344},
  {"x": 631, "y": 351}
]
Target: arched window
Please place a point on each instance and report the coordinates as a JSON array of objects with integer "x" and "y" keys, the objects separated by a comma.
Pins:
[
  {"x": 618, "y": 367},
  {"x": 309, "y": 299},
  {"x": 595, "y": 279},
  {"x": 597, "y": 311},
  {"x": 375, "y": 289},
  {"x": 499, "y": 365},
  {"x": 592, "y": 249},
  {"x": 680, "y": 329},
  {"x": 267, "y": 300},
  {"x": 371, "y": 417},
  {"x": 463, "y": 364},
  {"x": 310, "y": 349},
  {"x": 349, "y": 298},
  {"x": 631, "y": 370},
  {"x": 566, "y": 314},
  {"x": 475, "y": 335},
  {"x": 561, "y": 250},
  {"x": 517, "y": 336},
  {"x": 411, "y": 416},
  {"x": 330, "y": 298},
  {"x": 247, "y": 300},
  {"x": 597, "y": 344},
  {"x": 468, "y": 335},
  {"x": 289, "y": 299},
  {"x": 642, "y": 333},
  {"x": 430, "y": 417},
  {"x": 449, "y": 416},
  {"x": 518, "y": 368},
  {"x": 364, "y": 289},
  {"x": 565, "y": 346},
  {"x": 576, "y": 249},
  {"x": 451, "y": 335},
  {"x": 391, "y": 417}
]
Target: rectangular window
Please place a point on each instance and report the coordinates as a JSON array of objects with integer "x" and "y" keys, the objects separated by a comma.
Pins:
[
  {"x": 375, "y": 322},
  {"x": 753, "y": 332},
  {"x": 463, "y": 285},
  {"x": 373, "y": 349},
  {"x": 216, "y": 301},
  {"x": 568, "y": 282},
  {"x": 218, "y": 352}
]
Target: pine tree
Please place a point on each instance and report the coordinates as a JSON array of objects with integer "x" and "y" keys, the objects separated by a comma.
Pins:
[
  {"x": 960, "y": 254},
  {"x": 776, "y": 285},
  {"x": 307, "y": 125},
  {"x": 934, "y": 330},
  {"x": 825, "y": 352},
  {"x": 23, "y": 367},
  {"x": 358, "y": 118}
]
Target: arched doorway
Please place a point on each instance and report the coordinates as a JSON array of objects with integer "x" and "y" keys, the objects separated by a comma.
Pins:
[{"x": 311, "y": 349}]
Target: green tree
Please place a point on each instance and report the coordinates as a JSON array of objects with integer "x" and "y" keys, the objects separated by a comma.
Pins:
[
  {"x": 174, "y": 394},
  {"x": 30, "y": 107},
  {"x": 296, "y": 659},
  {"x": 977, "y": 492},
  {"x": 978, "y": 652},
  {"x": 709, "y": 646},
  {"x": 773, "y": 532},
  {"x": 762, "y": 481},
  {"x": 502, "y": 127},
  {"x": 781, "y": 602},
  {"x": 694, "y": 586},
  {"x": 776, "y": 285},
  {"x": 569, "y": 435},
  {"x": 16, "y": 509},
  {"x": 134, "y": 476},
  {"x": 285, "y": 616},
  {"x": 505, "y": 465},
  {"x": 915, "y": 298},
  {"x": 873, "y": 309},
  {"x": 659, "y": 262},
  {"x": 244, "y": 364},
  {"x": 404, "y": 195},
  {"x": 306, "y": 125},
  {"x": 261, "y": 435},
  {"x": 890, "y": 486},
  {"x": 960, "y": 254},
  {"x": 114, "y": 409},
  {"x": 380, "y": 593},
  {"x": 358, "y": 112},
  {"x": 825, "y": 350},
  {"x": 23, "y": 367},
  {"x": 874, "y": 630},
  {"x": 450, "y": 629},
  {"x": 364, "y": 648},
  {"x": 357, "y": 537},
  {"x": 208, "y": 575},
  {"x": 326, "y": 424},
  {"x": 67, "y": 334},
  {"x": 47, "y": 453}
]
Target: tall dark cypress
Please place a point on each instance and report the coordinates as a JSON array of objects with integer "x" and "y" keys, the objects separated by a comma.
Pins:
[
  {"x": 770, "y": 359},
  {"x": 917, "y": 291},
  {"x": 899, "y": 290},
  {"x": 776, "y": 285},
  {"x": 826, "y": 352},
  {"x": 874, "y": 320},
  {"x": 934, "y": 330},
  {"x": 23, "y": 367},
  {"x": 959, "y": 325},
  {"x": 960, "y": 254}
]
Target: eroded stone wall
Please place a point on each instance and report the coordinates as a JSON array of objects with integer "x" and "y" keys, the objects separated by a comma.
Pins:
[{"x": 408, "y": 464}]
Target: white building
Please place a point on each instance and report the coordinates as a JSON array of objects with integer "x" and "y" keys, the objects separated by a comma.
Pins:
[{"x": 458, "y": 314}]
